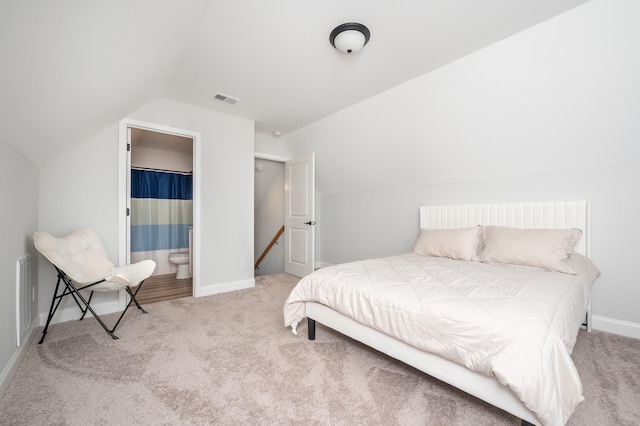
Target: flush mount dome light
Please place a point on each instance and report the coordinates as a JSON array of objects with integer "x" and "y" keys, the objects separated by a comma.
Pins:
[{"x": 349, "y": 38}]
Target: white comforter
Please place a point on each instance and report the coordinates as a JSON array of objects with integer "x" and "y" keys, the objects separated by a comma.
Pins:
[{"x": 517, "y": 324}]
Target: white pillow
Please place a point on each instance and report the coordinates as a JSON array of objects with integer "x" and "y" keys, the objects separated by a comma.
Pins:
[
  {"x": 461, "y": 244},
  {"x": 538, "y": 248}
]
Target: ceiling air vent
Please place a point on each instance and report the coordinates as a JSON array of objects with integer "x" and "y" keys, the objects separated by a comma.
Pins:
[{"x": 226, "y": 98}]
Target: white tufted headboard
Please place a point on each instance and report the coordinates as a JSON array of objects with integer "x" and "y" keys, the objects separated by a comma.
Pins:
[{"x": 551, "y": 215}]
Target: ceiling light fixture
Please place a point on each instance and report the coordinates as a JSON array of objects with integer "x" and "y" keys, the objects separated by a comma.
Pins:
[{"x": 349, "y": 38}]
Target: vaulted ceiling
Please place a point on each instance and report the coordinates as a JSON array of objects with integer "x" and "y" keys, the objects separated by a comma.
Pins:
[{"x": 72, "y": 68}]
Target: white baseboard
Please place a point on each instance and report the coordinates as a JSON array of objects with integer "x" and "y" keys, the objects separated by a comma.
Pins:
[
  {"x": 611, "y": 325},
  {"x": 225, "y": 287},
  {"x": 320, "y": 264},
  {"x": 14, "y": 362}
]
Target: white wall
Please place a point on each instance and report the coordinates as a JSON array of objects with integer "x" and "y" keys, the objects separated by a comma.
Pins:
[
  {"x": 80, "y": 188},
  {"x": 273, "y": 146},
  {"x": 158, "y": 158},
  {"x": 547, "y": 114},
  {"x": 19, "y": 194}
]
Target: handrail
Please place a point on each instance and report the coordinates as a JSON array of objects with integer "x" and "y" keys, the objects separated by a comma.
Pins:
[{"x": 271, "y": 244}]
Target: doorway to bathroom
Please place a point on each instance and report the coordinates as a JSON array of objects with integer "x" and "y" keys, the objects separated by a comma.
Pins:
[{"x": 160, "y": 182}]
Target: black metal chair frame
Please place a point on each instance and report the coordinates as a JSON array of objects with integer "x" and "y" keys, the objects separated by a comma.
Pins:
[{"x": 85, "y": 305}]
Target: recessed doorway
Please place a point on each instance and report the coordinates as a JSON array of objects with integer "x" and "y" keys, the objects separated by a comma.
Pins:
[
  {"x": 161, "y": 199},
  {"x": 268, "y": 216},
  {"x": 162, "y": 212}
]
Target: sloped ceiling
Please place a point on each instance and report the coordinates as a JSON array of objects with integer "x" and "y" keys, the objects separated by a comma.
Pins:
[{"x": 72, "y": 68}]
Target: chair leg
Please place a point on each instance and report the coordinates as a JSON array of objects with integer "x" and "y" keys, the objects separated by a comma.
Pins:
[
  {"x": 84, "y": 311},
  {"x": 70, "y": 290},
  {"x": 132, "y": 295},
  {"x": 75, "y": 293},
  {"x": 52, "y": 310},
  {"x": 95, "y": 315}
]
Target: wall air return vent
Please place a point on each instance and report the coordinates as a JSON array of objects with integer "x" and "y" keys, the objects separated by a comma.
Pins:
[{"x": 225, "y": 98}]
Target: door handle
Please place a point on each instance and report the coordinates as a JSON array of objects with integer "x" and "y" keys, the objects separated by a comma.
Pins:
[{"x": 311, "y": 222}]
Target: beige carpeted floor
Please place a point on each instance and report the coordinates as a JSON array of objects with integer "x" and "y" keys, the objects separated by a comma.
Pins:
[{"x": 227, "y": 359}]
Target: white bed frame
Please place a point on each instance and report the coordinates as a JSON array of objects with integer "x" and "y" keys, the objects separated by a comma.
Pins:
[{"x": 554, "y": 215}]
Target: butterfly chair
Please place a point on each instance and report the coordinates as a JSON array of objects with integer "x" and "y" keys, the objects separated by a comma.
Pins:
[{"x": 83, "y": 263}]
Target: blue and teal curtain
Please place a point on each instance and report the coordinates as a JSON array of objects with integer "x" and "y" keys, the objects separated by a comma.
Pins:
[{"x": 161, "y": 214}]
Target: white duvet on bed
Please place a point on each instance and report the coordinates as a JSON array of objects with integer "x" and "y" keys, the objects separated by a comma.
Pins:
[{"x": 517, "y": 324}]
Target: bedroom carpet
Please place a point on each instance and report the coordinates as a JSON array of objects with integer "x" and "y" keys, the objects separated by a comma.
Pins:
[{"x": 227, "y": 359}]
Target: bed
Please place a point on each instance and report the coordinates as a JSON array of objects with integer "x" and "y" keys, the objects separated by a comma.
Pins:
[{"x": 427, "y": 309}]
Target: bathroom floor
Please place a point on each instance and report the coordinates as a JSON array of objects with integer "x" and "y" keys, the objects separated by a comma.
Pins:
[{"x": 157, "y": 288}]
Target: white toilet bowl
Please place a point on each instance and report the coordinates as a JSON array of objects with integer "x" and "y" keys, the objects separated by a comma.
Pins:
[{"x": 182, "y": 260}]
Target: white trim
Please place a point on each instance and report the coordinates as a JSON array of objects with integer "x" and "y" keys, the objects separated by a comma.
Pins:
[
  {"x": 14, "y": 362},
  {"x": 225, "y": 287},
  {"x": 122, "y": 190},
  {"x": 271, "y": 157},
  {"x": 18, "y": 304},
  {"x": 615, "y": 326}
]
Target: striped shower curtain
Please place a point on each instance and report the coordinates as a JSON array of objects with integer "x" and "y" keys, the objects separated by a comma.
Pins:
[{"x": 161, "y": 214}]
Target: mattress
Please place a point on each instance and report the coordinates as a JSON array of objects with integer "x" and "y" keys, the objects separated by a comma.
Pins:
[{"x": 517, "y": 324}]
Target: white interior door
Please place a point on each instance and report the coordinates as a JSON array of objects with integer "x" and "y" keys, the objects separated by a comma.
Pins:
[{"x": 299, "y": 199}]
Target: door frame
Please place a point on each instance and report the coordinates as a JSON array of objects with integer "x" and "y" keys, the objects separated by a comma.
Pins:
[
  {"x": 277, "y": 158},
  {"x": 124, "y": 167}
]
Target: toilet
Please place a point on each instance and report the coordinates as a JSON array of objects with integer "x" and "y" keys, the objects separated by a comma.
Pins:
[{"x": 181, "y": 259}]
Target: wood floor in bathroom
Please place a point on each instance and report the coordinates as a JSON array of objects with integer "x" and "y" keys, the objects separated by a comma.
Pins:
[{"x": 157, "y": 288}]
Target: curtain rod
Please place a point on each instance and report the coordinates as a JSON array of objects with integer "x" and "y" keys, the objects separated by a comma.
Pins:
[{"x": 161, "y": 170}]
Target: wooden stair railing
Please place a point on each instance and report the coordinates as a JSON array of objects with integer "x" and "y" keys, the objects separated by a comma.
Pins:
[{"x": 271, "y": 244}]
